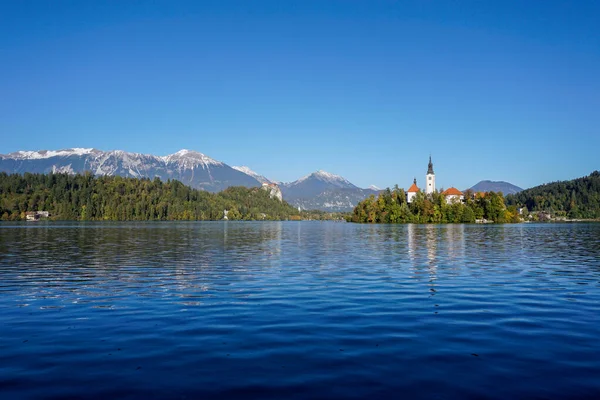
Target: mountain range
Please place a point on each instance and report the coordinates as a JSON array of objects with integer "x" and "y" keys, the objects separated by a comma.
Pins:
[
  {"x": 190, "y": 167},
  {"x": 319, "y": 190}
]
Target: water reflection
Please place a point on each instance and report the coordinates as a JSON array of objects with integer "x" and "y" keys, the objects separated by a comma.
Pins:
[
  {"x": 301, "y": 308},
  {"x": 455, "y": 240}
]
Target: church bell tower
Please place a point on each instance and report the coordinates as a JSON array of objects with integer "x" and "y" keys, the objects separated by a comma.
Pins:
[{"x": 430, "y": 178}]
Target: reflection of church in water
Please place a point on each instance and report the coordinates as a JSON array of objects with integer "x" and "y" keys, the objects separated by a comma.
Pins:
[
  {"x": 428, "y": 242},
  {"x": 435, "y": 251}
]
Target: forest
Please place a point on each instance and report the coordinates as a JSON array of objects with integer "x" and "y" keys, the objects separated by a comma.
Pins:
[
  {"x": 575, "y": 199},
  {"x": 391, "y": 207},
  {"x": 114, "y": 198}
]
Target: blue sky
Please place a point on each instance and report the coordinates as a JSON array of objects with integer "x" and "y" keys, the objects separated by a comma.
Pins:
[{"x": 500, "y": 90}]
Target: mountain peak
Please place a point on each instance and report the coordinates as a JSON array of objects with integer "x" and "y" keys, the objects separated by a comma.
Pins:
[
  {"x": 246, "y": 170},
  {"x": 40, "y": 154},
  {"x": 325, "y": 191},
  {"x": 190, "y": 159},
  {"x": 496, "y": 186},
  {"x": 322, "y": 179},
  {"x": 325, "y": 176},
  {"x": 184, "y": 152}
]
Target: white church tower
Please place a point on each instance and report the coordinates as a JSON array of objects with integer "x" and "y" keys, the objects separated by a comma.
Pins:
[{"x": 430, "y": 178}]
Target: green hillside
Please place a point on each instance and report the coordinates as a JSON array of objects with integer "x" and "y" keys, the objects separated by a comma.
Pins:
[
  {"x": 85, "y": 197},
  {"x": 577, "y": 198}
]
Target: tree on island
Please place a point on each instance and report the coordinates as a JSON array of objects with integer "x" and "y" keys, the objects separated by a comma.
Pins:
[{"x": 391, "y": 207}]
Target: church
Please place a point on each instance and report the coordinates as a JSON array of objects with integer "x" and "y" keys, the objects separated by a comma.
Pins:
[{"x": 452, "y": 194}]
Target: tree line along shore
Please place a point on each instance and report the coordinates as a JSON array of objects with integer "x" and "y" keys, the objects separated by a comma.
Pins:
[
  {"x": 113, "y": 198},
  {"x": 574, "y": 200}
]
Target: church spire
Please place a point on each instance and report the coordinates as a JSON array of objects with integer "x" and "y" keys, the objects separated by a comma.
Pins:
[
  {"x": 430, "y": 178},
  {"x": 430, "y": 167}
]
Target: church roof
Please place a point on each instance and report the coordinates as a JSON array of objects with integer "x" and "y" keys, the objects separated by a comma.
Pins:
[
  {"x": 452, "y": 192},
  {"x": 413, "y": 188}
]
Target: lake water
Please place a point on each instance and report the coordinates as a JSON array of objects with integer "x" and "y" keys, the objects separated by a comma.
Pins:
[{"x": 299, "y": 310}]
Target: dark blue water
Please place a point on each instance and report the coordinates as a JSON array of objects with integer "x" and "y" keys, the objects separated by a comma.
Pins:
[{"x": 299, "y": 310}]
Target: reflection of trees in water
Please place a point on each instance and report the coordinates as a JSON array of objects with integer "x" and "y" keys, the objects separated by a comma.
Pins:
[
  {"x": 103, "y": 259},
  {"x": 248, "y": 239},
  {"x": 111, "y": 246},
  {"x": 316, "y": 244},
  {"x": 191, "y": 260},
  {"x": 412, "y": 244},
  {"x": 455, "y": 243}
]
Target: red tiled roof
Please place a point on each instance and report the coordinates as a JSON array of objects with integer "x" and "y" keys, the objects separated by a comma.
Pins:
[
  {"x": 413, "y": 188},
  {"x": 452, "y": 192}
]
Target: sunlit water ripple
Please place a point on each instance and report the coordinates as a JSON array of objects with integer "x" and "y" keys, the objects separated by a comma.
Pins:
[{"x": 299, "y": 310}]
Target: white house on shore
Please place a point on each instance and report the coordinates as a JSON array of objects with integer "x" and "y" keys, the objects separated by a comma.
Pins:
[{"x": 36, "y": 215}]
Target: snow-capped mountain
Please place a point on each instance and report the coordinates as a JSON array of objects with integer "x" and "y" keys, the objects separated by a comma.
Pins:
[
  {"x": 314, "y": 184},
  {"x": 319, "y": 190},
  {"x": 189, "y": 159},
  {"x": 324, "y": 191},
  {"x": 190, "y": 167},
  {"x": 324, "y": 176},
  {"x": 255, "y": 175},
  {"x": 36, "y": 155}
]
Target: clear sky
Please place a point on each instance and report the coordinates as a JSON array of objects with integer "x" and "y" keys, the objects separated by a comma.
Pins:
[{"x": 500, "y": 90}]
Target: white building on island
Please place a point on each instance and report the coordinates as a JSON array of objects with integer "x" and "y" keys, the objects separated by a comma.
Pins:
[
  {"x": 412, "y": 191},
  {"x": 453, "y": 195},
  {"x": 430, "y": 178},
  {"x": 429, "y": 184}
]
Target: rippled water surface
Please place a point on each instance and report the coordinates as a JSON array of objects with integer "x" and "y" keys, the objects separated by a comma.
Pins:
[{"x": 299, "y": 310}]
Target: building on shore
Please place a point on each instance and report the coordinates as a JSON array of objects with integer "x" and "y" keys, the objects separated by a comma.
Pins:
[{"x": 36, "y": 215}]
